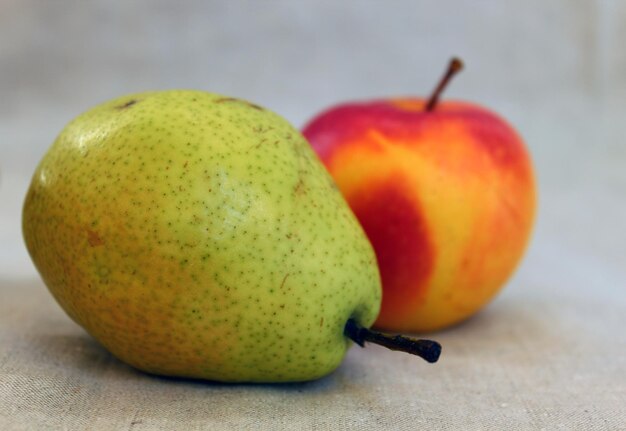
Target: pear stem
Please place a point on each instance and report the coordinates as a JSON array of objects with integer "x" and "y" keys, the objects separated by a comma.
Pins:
[
  {"x": 455, "y": 66},
  {"x": 425, "y": 349}
]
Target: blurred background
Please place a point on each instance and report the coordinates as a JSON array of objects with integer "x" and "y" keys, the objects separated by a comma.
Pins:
[{"x": 556, "y": 70}]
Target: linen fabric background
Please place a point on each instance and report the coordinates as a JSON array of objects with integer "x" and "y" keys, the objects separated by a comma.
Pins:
[{"x": 548, "y": 353}]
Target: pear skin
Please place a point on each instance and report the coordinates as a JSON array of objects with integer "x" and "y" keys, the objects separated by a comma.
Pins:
[{"x": 198, "y": 235}]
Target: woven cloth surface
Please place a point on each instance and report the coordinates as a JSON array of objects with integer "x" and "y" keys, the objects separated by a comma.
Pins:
[{"x": 538, "y": 358}]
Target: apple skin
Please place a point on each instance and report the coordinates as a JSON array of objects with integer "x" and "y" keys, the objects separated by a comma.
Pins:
[{"x": 447, "y": 198}]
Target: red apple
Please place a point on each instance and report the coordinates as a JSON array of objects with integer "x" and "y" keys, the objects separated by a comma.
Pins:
[{"x": 445, "y": 192}]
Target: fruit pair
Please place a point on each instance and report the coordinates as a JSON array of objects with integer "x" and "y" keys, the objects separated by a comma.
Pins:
[{"x": 198, "y": 235}]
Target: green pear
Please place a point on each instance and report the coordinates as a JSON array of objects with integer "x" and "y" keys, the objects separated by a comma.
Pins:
[{"x": 198, "y": 235}]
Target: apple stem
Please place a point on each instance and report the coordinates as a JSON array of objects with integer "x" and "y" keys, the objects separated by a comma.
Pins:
[
  {"x": 425, "y": 349},
  {"x": 454, "y": 67}
]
